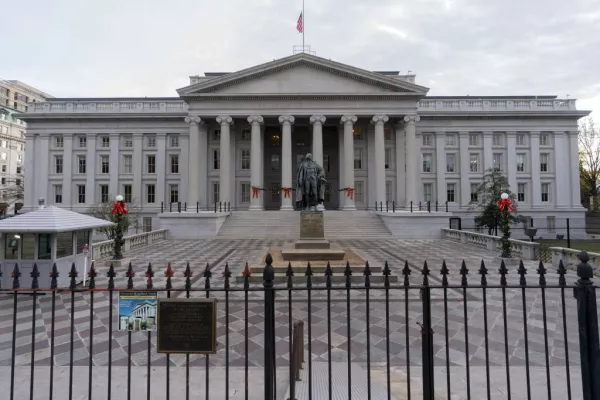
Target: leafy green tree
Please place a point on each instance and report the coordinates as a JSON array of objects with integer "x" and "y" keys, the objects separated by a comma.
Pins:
[{"x": 486, "y": 197}]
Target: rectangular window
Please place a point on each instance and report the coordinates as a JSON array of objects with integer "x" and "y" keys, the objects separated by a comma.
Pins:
[
  {"x": 147, "y": 224},
  {"x": 428, "y": 191},
  {"x": 497, "y": 160},
  {"x": 57, "y": 194},
  {"x": 105, "y": 141},
  {"x": 427, "y": 162},
  {"x": 544, "y": 140},
  {"x": 216, "y": 135},
  {"x": 17, "y": 182},
  {"x": 551, "y": 223},
  {"x": 520, "y": 162},
  {"x": 357, "y": 158},
  {"x": 81, "y": 165},
  {"x": 388, "y": 158},
  {"x": 58, "y": 164},
  {"x": 150, "y": 194},
  {"x": 450, "y": 192},
  {"x": 450, "y": 140},
  {"x": 217, "y": 191},
  {"x": 82, "y": 141},
  {"x": 520, "y": 139},
  {"x": 151, "y": 141},
  {"x": 127, "y": 193},
  {"x": 245, "y": 186},
  {"x": 128, "y": 141},
  {"x": 174, "y": 164},
  {"x": 104, "y": 165},
  {"x": 450, "y": 162},
  {"x": 474, "y": 187},
  {"x": 497, "y": 139},
  {"x": 151, "y": 164},
  {"x": 81, "y": 194},
  {"x": 245, "y": 159},
  {"x": 246, "y": 135},
  {"x": 521, "y": 192},
  {"x": 216, "y": 159},
  {"x": 174, "y": 193},
  {"x": 127, "y": 164},
  {"x": 103, "y": 193},
  {"x": 359, "y": 194},
  {"x": 58, "y": 142},
  {"x": 474, "y": 162},
  {"x": 545, "y": 192},
  {"x": 174, "y": 140},
  {"x": 473, "y": 139},
  {"x": 544, "y": 162},
  {"x": 3, "y": 181},
  {"x": 427, "y": 140},
  {"x": 275, "y": 163}
]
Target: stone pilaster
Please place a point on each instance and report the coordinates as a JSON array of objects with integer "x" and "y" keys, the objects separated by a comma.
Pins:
[
  {"x": 225, "y": 121},
  {"x": 465, "y": 183},
  {"x": 162, "y": 192},
  {"x": 536, "y": 183},
  {"x": 561, "y": 171},
  {"x": 256, "y": 171},
  {"x": 440, "y": 165},
  {"x": 286, "y": 122},
  {"x": 113, "y": 186},
  {"x": 573, "y": 168},
  {"x": 194, "y": 161},
  {"x": 139, "y": 193},
  {"x": 379, "y": 122},
  {"x": 91, "y": 160},
  {"x": 67, "y": 183}
]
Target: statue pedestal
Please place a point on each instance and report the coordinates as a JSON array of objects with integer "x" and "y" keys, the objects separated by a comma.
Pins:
[{"x": 312, "y": 245}]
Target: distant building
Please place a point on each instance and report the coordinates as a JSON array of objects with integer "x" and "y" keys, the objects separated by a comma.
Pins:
[{"x": 15, "y": 97}]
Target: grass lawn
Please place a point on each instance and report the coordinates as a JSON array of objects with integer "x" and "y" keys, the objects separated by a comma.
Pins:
[{"x": 587, "y": 245}]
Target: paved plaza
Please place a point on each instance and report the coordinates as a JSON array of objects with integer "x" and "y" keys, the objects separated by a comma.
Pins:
[{"x": 404, "y": 331}]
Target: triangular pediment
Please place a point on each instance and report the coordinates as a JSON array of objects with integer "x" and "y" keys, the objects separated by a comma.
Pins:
[{"x": 302, "y": 74}]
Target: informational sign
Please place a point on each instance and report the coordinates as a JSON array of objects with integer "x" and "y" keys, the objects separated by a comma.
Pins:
[
  {"x": 187, "y": 326},
  {"x": 137, "y": 311}
]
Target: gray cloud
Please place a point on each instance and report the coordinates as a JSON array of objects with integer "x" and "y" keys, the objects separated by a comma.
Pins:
[{"x": 456, "y": 47}]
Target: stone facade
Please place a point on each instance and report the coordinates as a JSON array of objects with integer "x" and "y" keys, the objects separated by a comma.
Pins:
[{"x": 375, "y": 132}]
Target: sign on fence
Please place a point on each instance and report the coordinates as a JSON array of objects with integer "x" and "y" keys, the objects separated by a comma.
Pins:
[
  {"x": 137, "y": 311},
  {"x": 187, "y": 326}
]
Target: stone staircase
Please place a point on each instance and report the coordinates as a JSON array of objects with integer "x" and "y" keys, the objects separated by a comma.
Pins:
[{"x": 286, "y": 225}]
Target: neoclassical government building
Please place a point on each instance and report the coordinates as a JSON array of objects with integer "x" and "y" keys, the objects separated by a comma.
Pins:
[{"x": 376, "y": 133}]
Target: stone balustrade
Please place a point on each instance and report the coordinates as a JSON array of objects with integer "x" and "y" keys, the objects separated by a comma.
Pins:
[
  {"x": 570, "y": 260},
  {"x": 111, "y": 106},
  {"x": 520, "y": 248},
  {"x": 483, "y": 104},
  {"x": 104, "y": 249}
]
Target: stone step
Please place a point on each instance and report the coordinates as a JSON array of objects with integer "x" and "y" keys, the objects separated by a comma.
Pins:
[
  {"x": 317, "y": 269},
  {"x": 336, "y": 279}
]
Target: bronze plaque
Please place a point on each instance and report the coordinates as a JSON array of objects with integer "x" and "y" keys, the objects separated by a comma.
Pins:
[
  {"x": 187, "y": 326},
  {"x": 311, "y": 225}
]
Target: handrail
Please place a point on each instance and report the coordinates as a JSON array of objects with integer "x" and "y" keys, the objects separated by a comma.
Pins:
[{"x": 297, "y": 355}]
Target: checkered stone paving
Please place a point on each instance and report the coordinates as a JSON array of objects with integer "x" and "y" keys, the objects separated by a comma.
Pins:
[{"x": 235, "y": 337}]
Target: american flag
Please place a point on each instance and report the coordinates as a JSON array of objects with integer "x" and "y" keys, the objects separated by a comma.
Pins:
[{"x": 300, "y": 24}]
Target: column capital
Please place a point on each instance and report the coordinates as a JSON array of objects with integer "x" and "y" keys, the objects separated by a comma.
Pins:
[
  {"x": 286, "y": 119},
  {"x": 348, "y": 119},
  {"x": 317, "y": 119},
  {"x": 411, "y": 119},
  {"x": 255, "y": 119},
  {"x": 380, "y": 119},
  {"x": 193, "y": 120},
  {"x": 224, "y": 120}
]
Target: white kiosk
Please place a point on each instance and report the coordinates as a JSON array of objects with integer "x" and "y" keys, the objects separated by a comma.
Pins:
[{"x": 46, "y": 236}]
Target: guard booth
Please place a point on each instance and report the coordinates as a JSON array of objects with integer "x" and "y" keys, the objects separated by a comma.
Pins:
[{"x": 46, "y": 236}]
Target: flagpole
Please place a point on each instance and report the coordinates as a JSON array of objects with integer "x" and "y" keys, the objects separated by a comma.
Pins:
[{"x": 303, "y": 26}]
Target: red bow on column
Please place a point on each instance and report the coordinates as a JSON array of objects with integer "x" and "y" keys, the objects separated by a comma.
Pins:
[
  {"x": 350, "y": 193},
  {"x": 119, "y": 207},
  {"x": 255, "y": 192},
  {"x": 286, "y": 192},
  {"x": 502, "y": 203}
]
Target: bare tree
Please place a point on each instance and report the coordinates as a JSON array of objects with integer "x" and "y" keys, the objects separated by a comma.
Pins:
[
  {"x": 104, "y": 211},
  {"x": 589, "y": 161}
]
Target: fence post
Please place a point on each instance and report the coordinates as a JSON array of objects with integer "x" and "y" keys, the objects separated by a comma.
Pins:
[
  {"x": 446, "y": 206},
  {"x": 179, "y": 207},
  {"x": 162, "y": 207},
  {"x": 436, "y": 206},
  {"x": 429, "y": 206},
  {"x": 587, "y": 315},
  {"x": 419, "y": 205},
  {"x": 220, "y": 207},
  {"x": 170, "y": 207},
  {"x": 197, "y": 207},
  {"x": 394, "y": 206},
  {"x": 427, "y": 338},
  {"x": 568, "y": 234},
  {"x": 185, "y": 206},
  {"x": 387, "y": 206},
  {"x": 411, "y": 206},
  {"x": 269, "y": 335}
]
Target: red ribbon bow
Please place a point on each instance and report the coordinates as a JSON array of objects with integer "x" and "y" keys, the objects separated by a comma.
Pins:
[
  {"x": 118, "y": 207},
  {"x": 350, "y": 193},
  {"x": 502, "y": 203},
  {"x": 255, "y": 192},
  {"x": 286, "y": 192}
]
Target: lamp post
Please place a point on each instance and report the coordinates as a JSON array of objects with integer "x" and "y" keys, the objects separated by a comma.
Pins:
[
  {"x": 505, "y": 208},
  {"x": 118, "y": 211}
]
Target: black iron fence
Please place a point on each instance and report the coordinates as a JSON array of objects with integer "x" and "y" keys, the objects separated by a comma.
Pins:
[
  {"x": 221, "y": 206},
  {"x": 438, "y": 327}
]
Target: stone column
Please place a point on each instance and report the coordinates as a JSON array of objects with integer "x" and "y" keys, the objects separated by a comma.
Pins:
[
  {"x": 511, "y": 162},
  {"x": 400, "y": 165},
  {"x": 561, "y": 153},
  {"x": 67, "y": 183},
  {"x": 412, "y": 164},
  {"x": 31, "y": 202},
  {"x": 114, "y": 168},
  {"x": 286, "y": 122},
  {"x": 379, "y": 122},
  {"x": 465, "y": 183},
  {"x": 440, "y": 172},
  {"x": 573, "y": 168},
  {"x": 317, "y": 122},
  {"x": 225, "y": 122},
  {"x": 256, "y": 171},
  {"x": 91, "y": 160},
  {"x": 488, "y": 152},
  {"x": 162, "y": 191},
  {"x": 348, "y": 121},
  {"x": 536, "y": 183},
  {"x": 194, "y": 161},
  {"x": 139, "y": 192}
]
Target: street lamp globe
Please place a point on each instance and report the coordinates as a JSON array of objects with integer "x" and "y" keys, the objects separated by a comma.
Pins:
[
  {"x": 504, "y": 196},
  {"x": 119, "y": 198}
]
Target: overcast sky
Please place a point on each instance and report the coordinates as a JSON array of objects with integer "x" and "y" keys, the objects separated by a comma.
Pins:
[{"x": 101, "y": 48}]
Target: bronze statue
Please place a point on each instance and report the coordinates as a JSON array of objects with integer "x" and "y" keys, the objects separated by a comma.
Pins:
[{"x": 310, "y": 182}]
